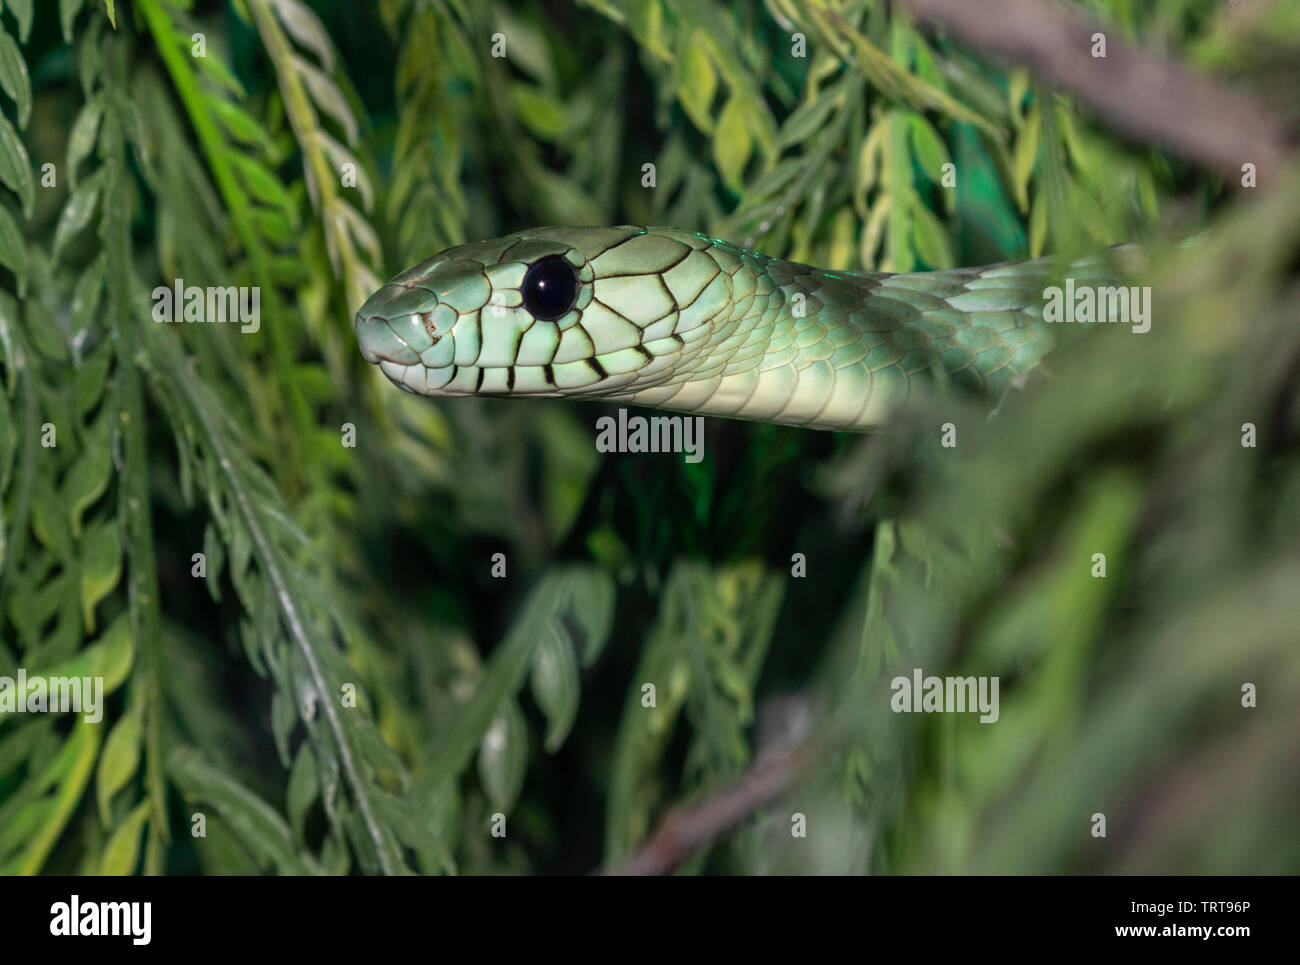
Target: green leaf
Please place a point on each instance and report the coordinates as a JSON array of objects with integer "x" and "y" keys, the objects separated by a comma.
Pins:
[
  {"x": 807, "y": 119},
  {"x": 15, "y": 168},
  {"x": 305, "y": 27},
  {"x": 770, "y": 182},
  {"x": 45, "y": 332},
  {"x": 328, "y": 97},
  {"x": 86, "y": 296},
  {"x": 122, "y": 853},
  {"x": 81, "y": 139},
  {"x": 261, "y": 183},
  {"x": 214, "y": 552},
  {"x": 869, "y": 164},
  {"x": 304, "y": 788},
  {"x": 101, "y": 567},
  {"x": 1024, "y": 158},
  {"x": 13, "y": 77},
  {"x": 68, "y": 10},
  {"x": 931, "y": 238},
  {"x": 565, "y": 202},
  {"x": 18, "y": 745},
  {"x": 23, "y": 14},
  {"x": 284, "y": 718},
  {"x": 275, "y": 227},
  {"x": 555, "y": 685},
  {"x": 88, "y": 478},
  {"x": 732, "y": 143},
  {"x": 581, "y": 596},
  {"x": 113, "y": 653},
  {"x": 931, "y": 152},
  {"x": 544, "y": 115},
  {"x": 48, "y": 520},
  {"x": 1038, "y": 226},
  {"x": 77, "y": 212},
  {"x": 72, "y": 771},
  {"x": 241, "y": 125},
  {"x": 13, "y": 249},
  {"x": 873, "y": 228},
  {"x": 214, "y": 67},
  {"x": 697, "y": 83},
  {"x": 1018, "y": 82},
  {"x": 503, "y": 757},
  {"x": 112, "y": 14},
  {"x": 8, "y": 446},
  {"x": 109, "y": 657},
  {"x": 118, "y": 762},
  {"x": 592, "y": 602},
  {"x": 262, "y": 830}
]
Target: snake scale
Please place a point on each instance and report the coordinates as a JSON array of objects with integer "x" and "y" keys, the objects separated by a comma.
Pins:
[{"x": 679, "y": 321}]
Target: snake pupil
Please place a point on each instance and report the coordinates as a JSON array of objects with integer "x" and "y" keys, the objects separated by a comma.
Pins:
[{"x": 550, "y": 288}]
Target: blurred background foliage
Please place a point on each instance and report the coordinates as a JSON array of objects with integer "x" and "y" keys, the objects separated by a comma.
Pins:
[{"x": 348, "y": 531}]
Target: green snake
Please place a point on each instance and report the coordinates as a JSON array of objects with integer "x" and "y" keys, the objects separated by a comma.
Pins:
[{"x": 679, "y": 321}]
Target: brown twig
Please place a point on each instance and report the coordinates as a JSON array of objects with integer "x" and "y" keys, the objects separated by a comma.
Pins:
[
  {"x": 1142, "y": 95},
  {"x": 688, "y": 827}
]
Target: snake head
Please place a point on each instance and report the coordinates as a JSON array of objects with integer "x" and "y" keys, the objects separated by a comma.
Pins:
[{"x": 543, "y": 312}]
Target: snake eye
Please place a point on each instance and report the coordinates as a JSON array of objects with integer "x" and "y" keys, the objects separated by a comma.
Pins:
[{"x": 550, "y": 288}]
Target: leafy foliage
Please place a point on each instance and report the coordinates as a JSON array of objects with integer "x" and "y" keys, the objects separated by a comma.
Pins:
[{"x": 340, "y": 629}]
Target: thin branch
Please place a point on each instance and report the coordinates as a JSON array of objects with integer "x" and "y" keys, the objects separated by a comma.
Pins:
[
  {"x": 685, "y": 829},
  {"x": 1141, "y": 94},
  {"x": 186, "y": 385}
]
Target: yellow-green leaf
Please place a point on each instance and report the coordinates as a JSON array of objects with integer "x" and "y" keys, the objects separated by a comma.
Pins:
[
  {"x": 697, "y": 82},
  {"x": 114, "y": 653},
  {"x": 122, "y": 852},
  {"x": 1037, "y": 227},
  {"x": 541, "y": 113},
  {"x": 732, "y": 143},
  {"x": 872, "y": 230},
  {"x": 931, "y": 152},
  {"x": 868, "y": 164},
  {"x": 1026, "y": 153},
  {"x": 118, "y": 762},
  {"x": 931, "y": 238}
]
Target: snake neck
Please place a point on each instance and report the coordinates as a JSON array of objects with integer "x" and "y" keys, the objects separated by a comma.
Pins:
[{"x": 798, "y": 345}]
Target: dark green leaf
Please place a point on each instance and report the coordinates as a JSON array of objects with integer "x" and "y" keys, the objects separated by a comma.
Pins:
[
  {"x": 15, "y": 168},
  {"x": 13, "y": 77}
]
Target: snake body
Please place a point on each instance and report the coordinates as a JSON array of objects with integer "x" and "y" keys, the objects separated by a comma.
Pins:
[{"x": 683, "y": 322}]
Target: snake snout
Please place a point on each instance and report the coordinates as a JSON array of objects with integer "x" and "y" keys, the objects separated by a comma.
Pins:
[{"x": 390, "y": 326}]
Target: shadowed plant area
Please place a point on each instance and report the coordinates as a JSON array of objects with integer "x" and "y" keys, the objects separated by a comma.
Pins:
[{"x": 322, "y": 626}]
